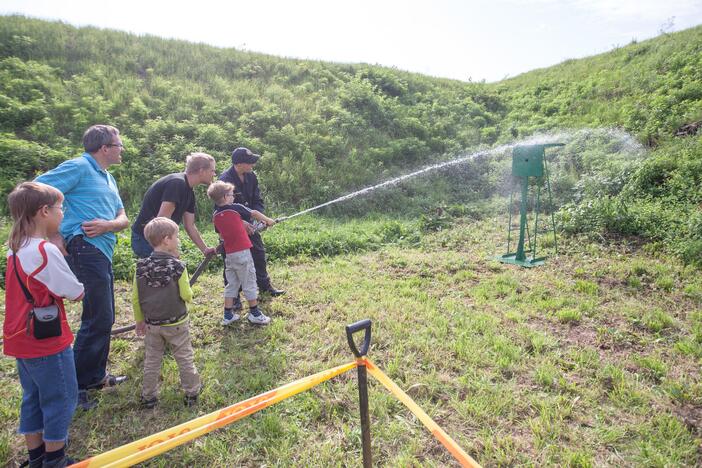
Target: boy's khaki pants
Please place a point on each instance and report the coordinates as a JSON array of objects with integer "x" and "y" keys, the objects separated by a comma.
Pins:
[{"x": 178, "y": 337}]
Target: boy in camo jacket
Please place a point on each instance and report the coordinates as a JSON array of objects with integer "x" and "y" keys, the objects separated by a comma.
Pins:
[{"x": 159, "y": 296}]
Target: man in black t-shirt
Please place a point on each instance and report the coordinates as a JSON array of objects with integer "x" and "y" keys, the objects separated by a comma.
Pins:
[{"x": 172, "y": 196}]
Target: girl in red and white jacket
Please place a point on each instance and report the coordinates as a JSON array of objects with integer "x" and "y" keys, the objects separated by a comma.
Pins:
[{"x": 45, "y": 365}]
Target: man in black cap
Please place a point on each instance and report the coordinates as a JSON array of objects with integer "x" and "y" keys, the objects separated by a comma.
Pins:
[{"x": 241, "y": 175}]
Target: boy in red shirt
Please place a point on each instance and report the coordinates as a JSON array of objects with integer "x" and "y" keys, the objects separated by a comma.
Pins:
[{"x": 238, "y": 264}]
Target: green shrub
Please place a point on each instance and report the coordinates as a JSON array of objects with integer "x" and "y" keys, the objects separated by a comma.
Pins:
[{"x": 656, "y": 320}]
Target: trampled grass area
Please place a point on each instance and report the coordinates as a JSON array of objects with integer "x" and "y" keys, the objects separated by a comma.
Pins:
[{"x": 591, "y": 360}]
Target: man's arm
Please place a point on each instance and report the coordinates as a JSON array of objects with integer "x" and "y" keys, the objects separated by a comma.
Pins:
[
  {"x": 166, "y": 209},
  {"x": 98, "y": 227},
  {"x": 194, "y": 234}
]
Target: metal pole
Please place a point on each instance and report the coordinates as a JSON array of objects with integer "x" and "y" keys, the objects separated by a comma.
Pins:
[
  {"x": 522, "y": 219},
  {"x": 537, "y": 206},
  {"x": 550, "y": 206},
  {"x": 509, "y": 223},
  {"x": 362, "y": 384},
  {"x": 365, "y": 418}
]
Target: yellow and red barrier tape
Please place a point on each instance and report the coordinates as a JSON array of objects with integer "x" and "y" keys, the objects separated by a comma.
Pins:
[
  {"x": 155, "y": 444},
  {"x": 463, "y": 458},
  {"x": 149, "y": 447}
]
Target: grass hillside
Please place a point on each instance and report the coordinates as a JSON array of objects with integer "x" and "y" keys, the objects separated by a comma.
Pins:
[
  {"x": 324, "y": 128},
  {"x": 592, "y": 360}
]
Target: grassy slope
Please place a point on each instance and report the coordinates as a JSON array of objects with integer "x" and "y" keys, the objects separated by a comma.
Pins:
[
  {"x": 649, "y": 88},
  {"x": 591, "y": 359}
]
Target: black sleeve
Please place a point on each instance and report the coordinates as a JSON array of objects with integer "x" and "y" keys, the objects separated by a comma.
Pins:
[
  {"x": 243, "y": 211},
  {"x": 256, "y": 200},
  {"x": 173, "y": 191}
]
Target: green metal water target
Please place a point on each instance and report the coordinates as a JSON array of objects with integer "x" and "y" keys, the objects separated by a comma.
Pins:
[{"x": 529, "y": 161}]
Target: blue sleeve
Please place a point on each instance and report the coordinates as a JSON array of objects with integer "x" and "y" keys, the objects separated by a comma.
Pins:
[
  {"x": 118, "y": 200},
  {"x": 64, "y": 177}
]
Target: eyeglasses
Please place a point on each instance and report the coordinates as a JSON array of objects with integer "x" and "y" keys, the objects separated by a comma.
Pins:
[
  {"x": 59, "y": 207},
  {"x": 118, "y": 144}
]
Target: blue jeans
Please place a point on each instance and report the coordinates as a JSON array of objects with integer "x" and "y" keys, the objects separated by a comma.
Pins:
[
  {"x": 92, "y": 344},
  {"x": 49, "y": 395},
  {"x": 141, "y": 246}
]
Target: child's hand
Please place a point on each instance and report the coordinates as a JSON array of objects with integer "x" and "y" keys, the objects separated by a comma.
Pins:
[{"x": 140, "y": 328}]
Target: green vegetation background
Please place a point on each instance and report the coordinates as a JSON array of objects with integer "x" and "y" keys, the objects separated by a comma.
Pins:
[{"x": 328, "y": 129}]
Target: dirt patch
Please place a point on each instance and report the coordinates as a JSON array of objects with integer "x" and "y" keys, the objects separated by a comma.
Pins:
[{"x": 691, "y": 416}]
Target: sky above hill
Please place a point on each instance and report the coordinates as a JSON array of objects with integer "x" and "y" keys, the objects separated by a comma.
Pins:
[{"x": 466, "y": 40}]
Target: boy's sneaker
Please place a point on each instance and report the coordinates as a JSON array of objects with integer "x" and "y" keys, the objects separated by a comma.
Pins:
[
  {"x": 190, "y": 400},
  {"x": 260, "y": 319},
  {"x": 149, "y": 403},
  {"x": 230, "y": 318}
]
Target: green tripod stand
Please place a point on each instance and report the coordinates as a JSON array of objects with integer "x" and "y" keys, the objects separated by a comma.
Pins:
[{"x": 529, "y": 161}]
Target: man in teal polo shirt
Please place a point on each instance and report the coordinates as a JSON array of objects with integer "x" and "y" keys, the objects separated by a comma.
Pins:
[{"x": 93, "y": 213}]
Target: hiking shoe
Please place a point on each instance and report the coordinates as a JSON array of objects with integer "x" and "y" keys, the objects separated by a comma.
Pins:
[
  {"x": 230, "y": 318},
  {"x": 260, "y": 319},
  {"x": 108, "y": 382},
  {"x": 190, "y": 400},
  {"x": 36, "y": 463},
  {"x": 59, "y": 462},
  {"x": 86, "y": 401},
  {"x": 149, "y": 403},
  {"x": 273, "y": 291}
]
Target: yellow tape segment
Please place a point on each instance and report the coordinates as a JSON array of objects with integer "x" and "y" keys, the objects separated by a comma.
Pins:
[
  {"x": 463, "y": 458},
  {"x": 155, "y": 444}
]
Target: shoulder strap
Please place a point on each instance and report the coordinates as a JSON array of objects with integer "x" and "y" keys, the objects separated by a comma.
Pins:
[{"x": 29, "y": 297}]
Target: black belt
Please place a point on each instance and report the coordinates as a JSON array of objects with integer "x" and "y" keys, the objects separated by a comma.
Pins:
[{"x": 168, "y": 321}]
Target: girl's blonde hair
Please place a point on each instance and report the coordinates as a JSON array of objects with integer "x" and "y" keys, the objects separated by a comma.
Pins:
[{"x": 24, "y": 202}]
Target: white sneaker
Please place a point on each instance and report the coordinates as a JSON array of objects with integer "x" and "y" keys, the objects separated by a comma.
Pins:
[
  {"x": 261, "y": 319},
  {"x": 226, "y": 321}
]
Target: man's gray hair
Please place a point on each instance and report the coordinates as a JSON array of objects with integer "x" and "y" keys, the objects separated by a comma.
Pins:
[
  {"x": 197, "y": 161},
  {"x": 98, "y": 135}
]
